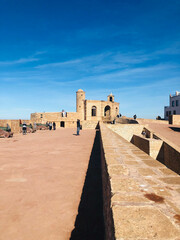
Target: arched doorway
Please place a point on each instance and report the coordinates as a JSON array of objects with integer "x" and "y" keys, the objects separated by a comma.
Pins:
[
  {"x": 107, "y": 111},
  {"x": 62, "y": 124},
  {"x": 93, "y": 111}
]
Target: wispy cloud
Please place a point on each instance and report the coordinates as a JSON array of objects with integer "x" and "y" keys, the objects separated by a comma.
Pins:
[{"x": 19, "y": 61}]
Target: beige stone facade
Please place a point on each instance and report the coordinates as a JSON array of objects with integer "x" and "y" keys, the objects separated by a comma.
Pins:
[{"x": 86, "y": 111}]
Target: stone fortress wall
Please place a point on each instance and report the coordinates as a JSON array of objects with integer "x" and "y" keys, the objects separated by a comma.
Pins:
[
  {"x": 140, "y": 194},
  {"x": 88, "y": 111}
]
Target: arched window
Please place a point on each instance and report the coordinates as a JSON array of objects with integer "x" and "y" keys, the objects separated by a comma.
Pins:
[
  {"x": 107, "y": 111},
  {"x": 93, "y": 111},
  {"x": 110, "y": 99}
]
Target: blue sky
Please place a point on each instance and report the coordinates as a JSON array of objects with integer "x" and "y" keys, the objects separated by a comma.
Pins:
[{"x": 50, "y": 49}]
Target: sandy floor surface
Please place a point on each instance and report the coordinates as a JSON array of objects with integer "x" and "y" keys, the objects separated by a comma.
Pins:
[
  {"x": 171, "y": 132},
  {"x": 41, "y": 180}
]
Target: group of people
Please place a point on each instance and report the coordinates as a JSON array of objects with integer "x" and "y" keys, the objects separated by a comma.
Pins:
[{"x": 51, "y": 125}]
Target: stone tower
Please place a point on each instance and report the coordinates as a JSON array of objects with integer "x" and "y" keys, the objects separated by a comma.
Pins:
[
  {"x": 110, "y": 97},
  {"x": 80, "y": 99}
]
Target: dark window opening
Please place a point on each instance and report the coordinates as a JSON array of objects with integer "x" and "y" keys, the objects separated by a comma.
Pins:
[
  {"x": 107, "y": 110},
  {"x": 174, "y": 112},
  {"x": 41, "y": 116},
  {"x": 110, "y": 99},
  {"x": 62, "y": 124},
  {"x": 167, "y": 114},
  {"x": 177, "y": 103},
  {"x": 172, "y": 103},
  {"x": 93, "y": 111}
]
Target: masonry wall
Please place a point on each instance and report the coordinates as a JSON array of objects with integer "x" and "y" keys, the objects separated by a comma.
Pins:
[
  {"x": 14, "y": 124},
  {"x": 174, "y": 119},
  {"x": 170, "y": 156},
  {"x": 149, "y": 146},
  {"x": 139, "y": 193},
  {"x": 158, "y": 147},
  {"x": 69, "y": 120}
]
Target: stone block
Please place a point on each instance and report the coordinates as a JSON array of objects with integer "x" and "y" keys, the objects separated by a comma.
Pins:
[{"x": 142, "y": 223}]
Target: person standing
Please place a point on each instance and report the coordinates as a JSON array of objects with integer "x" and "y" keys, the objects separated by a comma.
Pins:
[
  {"x": 24, "y": 128},
  {"x": 35, "y": 126},
  {"x": 135, "y": 117},
  {"x": 8, "y": 128},
  {"x": 50, "y": 126},
  {"x": 78, "y": 126},
  {"x": 54, "y": 126}
]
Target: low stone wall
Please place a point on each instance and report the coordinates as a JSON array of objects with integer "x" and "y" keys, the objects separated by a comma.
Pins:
[
  {"x": 170, "y": 156},
  {"x": 146, "y": 121},
  {"x": 106, "y": 188},
  {"x": 174, "y": 119},
  {"x": 148, "y": 145},
  {"x": 140, "y": 195},
  {"x": 126, "y": 130},
  {"x": 14, "y": 124}
]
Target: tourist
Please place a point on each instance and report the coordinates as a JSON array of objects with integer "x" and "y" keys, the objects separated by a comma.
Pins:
[
  {"x": 24, "y": 128},
  {"x": 54, "y": 126},
  {"x": 50, "y": 126},
  {"x": 78, "y": 126},
  {"x": 35, "y": 126},
  {"x": 8, "y": 128},
  {"x": 143, "y": 133},
  {"x": 47, "y": 124}
]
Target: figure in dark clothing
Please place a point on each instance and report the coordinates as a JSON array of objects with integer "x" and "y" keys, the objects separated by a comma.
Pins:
[
  {"x": 24, "y": 128},
  {"x": 50, "y": 126},
  {"x": 54, "y": 126},
  {"x": 135, "y": 117},
  {"x": 8, "y": 128},
  {"x": 78, "y": 126}
]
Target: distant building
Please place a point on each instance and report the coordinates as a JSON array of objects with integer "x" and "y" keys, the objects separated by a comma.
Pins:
[
  {"x": 174, "y": 106},
  {"x": 86, "y": 111}
]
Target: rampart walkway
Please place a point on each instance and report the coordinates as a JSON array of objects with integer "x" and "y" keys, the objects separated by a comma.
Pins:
[
  {"x": 41, "y": 181},
  {"x": 141, "y": 195}
]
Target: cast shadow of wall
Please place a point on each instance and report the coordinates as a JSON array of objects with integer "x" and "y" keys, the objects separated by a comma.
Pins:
[{"x": 89, "y": 224}]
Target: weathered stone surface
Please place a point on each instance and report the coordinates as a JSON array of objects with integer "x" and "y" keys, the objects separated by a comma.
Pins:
[
  {"x": 167, "y": 171},
  {"x": 146, "y": 171},
  {"x": 129, "y": 198},
  {"x": 127, "y": 185},
  {"x": 153, "y": 163},
  {"x": 142, "y": 223},
  {"x": 131, "y": 162},
  {"x": 171, "y": 180},
  {"x": 117, "y": 170}
]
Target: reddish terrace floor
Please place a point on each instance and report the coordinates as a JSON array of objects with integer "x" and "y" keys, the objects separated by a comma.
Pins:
[{"x": 41, "y": 180}]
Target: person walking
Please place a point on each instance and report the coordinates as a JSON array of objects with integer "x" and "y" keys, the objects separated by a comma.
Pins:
[
  {"x": 54, "y": 126},
  {"x": 24, "y": 128},
  {"x": 50, "y": 126},
  {"x": 78, "y": 126}
]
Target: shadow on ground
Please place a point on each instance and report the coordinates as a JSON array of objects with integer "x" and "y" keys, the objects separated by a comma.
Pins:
[
  {"x": 176, "y": 129},
  {"x": 89, "y": 224}
]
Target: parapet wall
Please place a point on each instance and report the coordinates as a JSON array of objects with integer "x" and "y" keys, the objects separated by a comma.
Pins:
[
  {"x": 14, "y": 124},
  {"x": 155, "y": 145},
  {"x": 174, "y": 119},
  {"x": 140, "y": 195}
]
